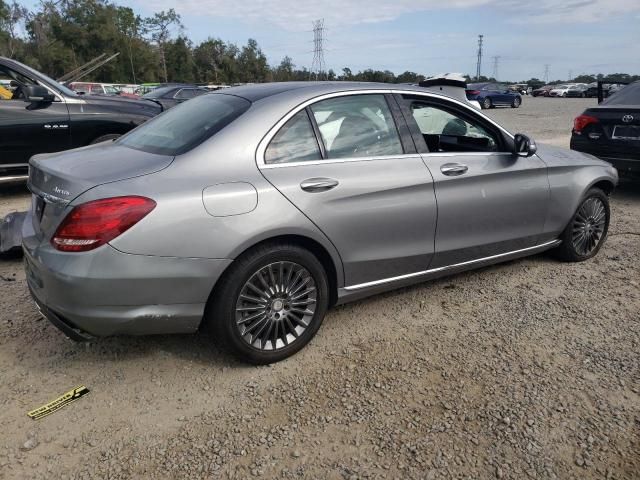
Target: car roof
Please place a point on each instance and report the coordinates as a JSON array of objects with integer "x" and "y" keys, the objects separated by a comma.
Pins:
[{"x": 259, "y": 91}]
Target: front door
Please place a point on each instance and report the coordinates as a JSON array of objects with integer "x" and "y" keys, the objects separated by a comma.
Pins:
[
  {"x": 490, "y": 201},
  {"x": 342, "y": 163},
  {"x": 29, "y": 128}
]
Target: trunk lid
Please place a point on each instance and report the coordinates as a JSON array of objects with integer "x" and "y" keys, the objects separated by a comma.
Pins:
[
  {"x": 56, "y": 179},
  {"x": 617, "y": 133}
]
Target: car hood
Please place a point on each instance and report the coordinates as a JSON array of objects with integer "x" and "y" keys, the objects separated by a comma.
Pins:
[
  {"x": 61, "y": 177},
  {"x": 123, "y": 104},
  {"x": 563, "y": 157}
]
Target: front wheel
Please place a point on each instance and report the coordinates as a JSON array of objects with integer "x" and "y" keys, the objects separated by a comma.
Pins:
[
  {"x": 270, "y": 303},
  {"x": 586, "y": 232},
  {"x": 516, "y": 103},
  {"x": 486, "y": 103}
]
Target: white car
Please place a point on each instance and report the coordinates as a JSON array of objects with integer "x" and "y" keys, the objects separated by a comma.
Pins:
[{"x": 560, "y": 90}]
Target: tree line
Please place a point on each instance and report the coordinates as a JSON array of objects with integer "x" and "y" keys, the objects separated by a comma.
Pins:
[{"x": 58, "y": 36}]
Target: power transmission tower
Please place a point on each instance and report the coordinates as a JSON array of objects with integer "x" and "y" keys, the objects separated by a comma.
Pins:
[
  {"x": 479, "y": 66},
  {"x": 318, "y": 67},
  {"x": 546, "y": 73},
  {"x": 570, "y": 75},
  {"x": 496, "y": 60}
]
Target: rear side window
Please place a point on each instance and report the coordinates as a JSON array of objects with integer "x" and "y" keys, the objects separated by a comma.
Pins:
[
  {"x": 294, "y": 142},
  {"x": 186, "y": 126},
  {"x": 357, "y": 126}
]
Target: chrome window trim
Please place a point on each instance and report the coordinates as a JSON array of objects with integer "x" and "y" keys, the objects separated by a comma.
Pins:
[
  {"x": 449, "y": 267},
  {"x": 264, "y": 143},
  {"x": 400, "y": 156}
]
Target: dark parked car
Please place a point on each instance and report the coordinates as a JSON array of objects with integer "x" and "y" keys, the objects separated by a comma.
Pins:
[
  {"x": 490, "y": 95},
  {"x": 577, "y": 91},
  {"x": 611, "y": 130},
  {"x": 172, "y": 95},
  {"x": 42, "y": 116},
  {"x": 542, "y": 91}
]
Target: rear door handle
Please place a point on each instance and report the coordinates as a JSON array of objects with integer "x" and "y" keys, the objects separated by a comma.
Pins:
[
  {"x": 453, "y": 169},
  {"x": 314, "y": 185}
]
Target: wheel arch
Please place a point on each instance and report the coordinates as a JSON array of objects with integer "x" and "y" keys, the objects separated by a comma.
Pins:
[
  {"x": 606, "y": 185},
  {"x": 329, "y": 263}
]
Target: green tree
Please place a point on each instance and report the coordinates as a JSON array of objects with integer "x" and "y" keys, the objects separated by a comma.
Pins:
[{"x": 159, "y": 27}]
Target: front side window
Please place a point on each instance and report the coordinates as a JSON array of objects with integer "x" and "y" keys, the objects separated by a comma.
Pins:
[
  {"x": 294, "y": 142},
  {"x": 12, "y": 83},
  {"x": 357, "y": 126},
  {"x": 444, "y": 131},
  {"x": 186, "y": 126}
]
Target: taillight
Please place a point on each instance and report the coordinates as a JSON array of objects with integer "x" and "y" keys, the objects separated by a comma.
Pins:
[
  {"x": 473, "y": 92},
  {"x": 581, "y": 122},
  {"x": 95, "y": 223}
]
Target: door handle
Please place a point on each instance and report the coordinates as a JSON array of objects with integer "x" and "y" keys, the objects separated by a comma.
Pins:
[
  {"x": 314, "y": 185},
  {"x": 453, "y": 169}
]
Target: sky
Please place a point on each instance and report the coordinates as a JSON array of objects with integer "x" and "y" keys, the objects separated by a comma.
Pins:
[{"x": 427, "y": 36}]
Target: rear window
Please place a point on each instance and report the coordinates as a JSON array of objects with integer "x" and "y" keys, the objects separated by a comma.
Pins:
[
  {"x": 186, "y": 126},
  {"x": 629, "y": 95}
]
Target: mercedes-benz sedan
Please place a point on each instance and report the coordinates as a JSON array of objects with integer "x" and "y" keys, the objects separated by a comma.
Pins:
[{"x": 255, "y": 209}]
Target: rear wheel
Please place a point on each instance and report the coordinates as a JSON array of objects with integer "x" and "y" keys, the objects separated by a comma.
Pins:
[
  {"x": 516, "y": 103},
  {"x": 270, "y": 303},
  {"x": 105, "y": 138},
  {"x": 486, "y": 103},
  {"x": 586, "y": 232}
]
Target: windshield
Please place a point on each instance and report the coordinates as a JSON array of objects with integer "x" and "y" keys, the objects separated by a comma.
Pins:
[
  {"x": 111, "y": 90},
  {"x": 186, "y": 126},
  {"x": 158, "y": 92}
]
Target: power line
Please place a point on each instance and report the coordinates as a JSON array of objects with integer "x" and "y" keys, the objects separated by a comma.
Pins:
[
  {"x": 496, "y": 60},
  {"x": 317, "y": 66},
  {"x": 479, "y": 65}
]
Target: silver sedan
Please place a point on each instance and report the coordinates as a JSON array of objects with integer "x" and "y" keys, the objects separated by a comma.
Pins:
[{"x": 255, "y": 209}]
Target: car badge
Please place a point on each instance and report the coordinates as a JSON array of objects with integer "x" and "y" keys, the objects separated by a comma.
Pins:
[{"x": 627, "y": 118}]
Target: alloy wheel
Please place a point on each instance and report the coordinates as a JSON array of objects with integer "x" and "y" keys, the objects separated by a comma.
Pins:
[
  {"x": 588, "y": 226},
  {"x": 276, "y": 305}
]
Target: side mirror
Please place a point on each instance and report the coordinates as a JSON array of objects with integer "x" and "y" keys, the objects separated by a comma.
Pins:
[
  {"x": 37, "y": 94},
  {"x": 524, "y": 146}
]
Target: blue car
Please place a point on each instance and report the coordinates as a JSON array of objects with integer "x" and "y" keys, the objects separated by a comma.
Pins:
[{"x": 490, "y": 95}]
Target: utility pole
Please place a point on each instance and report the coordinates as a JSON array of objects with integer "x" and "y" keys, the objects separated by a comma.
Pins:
[
  {"x": 479, "y": 66},
  {"x": 546, "y": 73},
  {"x": 496, "y": 60},
  {"x": 318, "y": 67},
  {"x": 570, "y": 75}
]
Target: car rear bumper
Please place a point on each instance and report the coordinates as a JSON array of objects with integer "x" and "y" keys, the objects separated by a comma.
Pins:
[
  {"x": 106, "y": 292},
  {"x": 626, "y": 160}
]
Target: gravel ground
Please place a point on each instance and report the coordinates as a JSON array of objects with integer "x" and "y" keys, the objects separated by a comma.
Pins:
[{"x": 528, "y": 369}]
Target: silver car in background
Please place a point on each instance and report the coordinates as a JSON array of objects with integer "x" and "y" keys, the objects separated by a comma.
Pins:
[{"x": 255, "y": 209}]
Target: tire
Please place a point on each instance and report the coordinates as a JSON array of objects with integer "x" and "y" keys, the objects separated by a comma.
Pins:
[
  {"x": 105, "y": 138},
  {"x": 486, "y": 103},
  {"x": 256, "y": 341},
  {"x": 592, "y": 215},
  {"x": 583, "y": 95},
  {"x": 516, "y": 103}
]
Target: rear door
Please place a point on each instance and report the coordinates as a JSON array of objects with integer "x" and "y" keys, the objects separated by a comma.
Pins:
[
  {"x": 489, "y": 200},
  {"x": 343, "y": 163},
  {"x": 29, "y": 128}
]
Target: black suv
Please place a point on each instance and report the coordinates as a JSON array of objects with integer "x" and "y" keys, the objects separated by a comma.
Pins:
[{"x": 38, "y": 115}]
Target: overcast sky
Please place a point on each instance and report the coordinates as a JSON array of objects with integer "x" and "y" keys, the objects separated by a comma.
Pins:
[{"x": 428, "y": 36}]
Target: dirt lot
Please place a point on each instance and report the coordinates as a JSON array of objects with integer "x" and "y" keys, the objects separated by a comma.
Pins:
[{"x": 529, "y": 369}]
